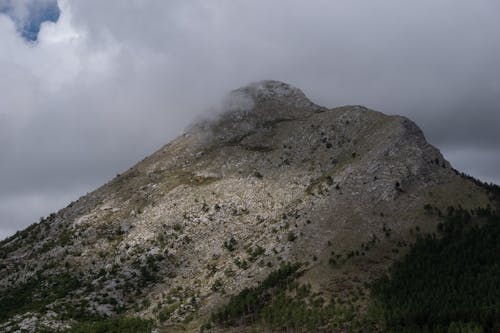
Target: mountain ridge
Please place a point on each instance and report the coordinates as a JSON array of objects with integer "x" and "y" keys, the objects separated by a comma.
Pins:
[{"x": 273, "y": 178}]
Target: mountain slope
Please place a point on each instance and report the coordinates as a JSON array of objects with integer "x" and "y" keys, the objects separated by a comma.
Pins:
[{"x": 273, "y": 179}]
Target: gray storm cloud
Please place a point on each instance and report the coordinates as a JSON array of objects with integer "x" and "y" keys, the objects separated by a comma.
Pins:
[{"x": 112, "y": 81}]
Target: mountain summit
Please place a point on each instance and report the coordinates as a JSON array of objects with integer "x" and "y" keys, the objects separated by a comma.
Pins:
[
  {"x": 253, "y": 107},
  {"x": 269, "y": 94},
  {"x": 273, "y": 179}
]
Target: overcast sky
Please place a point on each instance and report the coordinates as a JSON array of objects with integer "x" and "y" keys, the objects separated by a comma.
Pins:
[{"x": 105, "y": 83}]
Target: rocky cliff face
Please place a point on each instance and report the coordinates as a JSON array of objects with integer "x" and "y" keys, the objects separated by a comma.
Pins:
[{"x": 274, "y": 178}]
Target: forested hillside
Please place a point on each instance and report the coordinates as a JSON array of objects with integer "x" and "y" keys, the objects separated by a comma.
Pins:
[{"x": 450, "y": 281}]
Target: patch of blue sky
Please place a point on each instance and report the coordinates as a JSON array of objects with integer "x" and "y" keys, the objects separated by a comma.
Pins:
[{"x": 28, "y": 19}]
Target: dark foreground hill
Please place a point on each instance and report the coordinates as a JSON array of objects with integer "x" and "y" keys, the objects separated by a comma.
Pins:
[{"x": 278, "y": 215}]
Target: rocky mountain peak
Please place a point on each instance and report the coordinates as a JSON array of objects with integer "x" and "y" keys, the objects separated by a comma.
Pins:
[
  {"x": 268, "y": 90},
  {"x": 257, "y": 106}
]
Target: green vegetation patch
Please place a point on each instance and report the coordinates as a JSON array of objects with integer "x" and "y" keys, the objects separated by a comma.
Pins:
[
  {"x": 35, "y": 294},
  {"x": 280, "y": 303},
  {"x": 449, "y": 283},
  {"x": 113, "y": 325},
  {"x": 250, "y": 300}
]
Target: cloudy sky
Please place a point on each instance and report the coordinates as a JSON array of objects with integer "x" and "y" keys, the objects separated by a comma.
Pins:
[{"x": 102, "y": 84}]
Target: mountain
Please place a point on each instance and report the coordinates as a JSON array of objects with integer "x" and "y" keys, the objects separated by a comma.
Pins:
[{"x": 273, "y": 191}]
